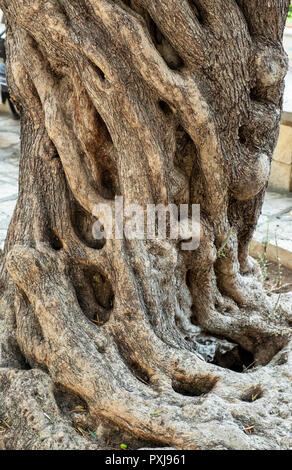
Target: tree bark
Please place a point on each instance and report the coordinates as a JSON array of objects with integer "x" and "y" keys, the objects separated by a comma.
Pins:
[{"x": 160, "y": 102}]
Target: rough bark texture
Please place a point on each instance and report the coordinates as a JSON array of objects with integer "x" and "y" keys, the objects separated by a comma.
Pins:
[{"x": 159, "y": 101}]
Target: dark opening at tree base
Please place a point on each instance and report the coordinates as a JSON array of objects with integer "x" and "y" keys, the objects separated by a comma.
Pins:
[
  {"x": 238, "y": 359},
  {"x": 194, "y": 388}
]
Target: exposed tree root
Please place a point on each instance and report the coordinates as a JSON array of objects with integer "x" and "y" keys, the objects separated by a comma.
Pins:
[{"x": 92, "y": 368}]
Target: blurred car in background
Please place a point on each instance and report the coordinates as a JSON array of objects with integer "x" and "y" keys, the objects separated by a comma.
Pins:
[{"x": 4, "y": 92}]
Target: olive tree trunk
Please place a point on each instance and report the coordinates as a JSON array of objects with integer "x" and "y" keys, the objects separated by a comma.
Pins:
[{"x": 140, "y": 341}]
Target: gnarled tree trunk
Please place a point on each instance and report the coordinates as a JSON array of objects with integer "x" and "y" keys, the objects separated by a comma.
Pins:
[{"x": 160, "y": 101}]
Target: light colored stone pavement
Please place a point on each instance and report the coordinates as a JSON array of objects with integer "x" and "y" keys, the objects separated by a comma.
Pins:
[
  {"x": 287, "y": 104},
  {"x": 274, "y": 230},
  {"x": 9, "y": 157}
]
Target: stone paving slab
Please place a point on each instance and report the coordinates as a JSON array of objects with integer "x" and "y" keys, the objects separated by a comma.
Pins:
[
  {"x": 8, "y": 138},
  {"x": 287, "y": 105},
  {"x": 9, "y": 158},
  {"x": 6, "y": 191},
  {"x": 2, "y": 237},
  {"x": 275, "y": 204},
  {"x": 274, "y": 230},
  {"x": 4, "y": 221}
]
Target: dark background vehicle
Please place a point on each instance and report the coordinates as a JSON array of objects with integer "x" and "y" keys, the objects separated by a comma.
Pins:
[{"x": 3, "y": 83}]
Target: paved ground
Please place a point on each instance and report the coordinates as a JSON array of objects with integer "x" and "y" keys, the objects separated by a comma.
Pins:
[
  {"x": 274, "y": 230},
  {"x": 9, "y": 155},
  {"x": 287, "y": 104}
]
